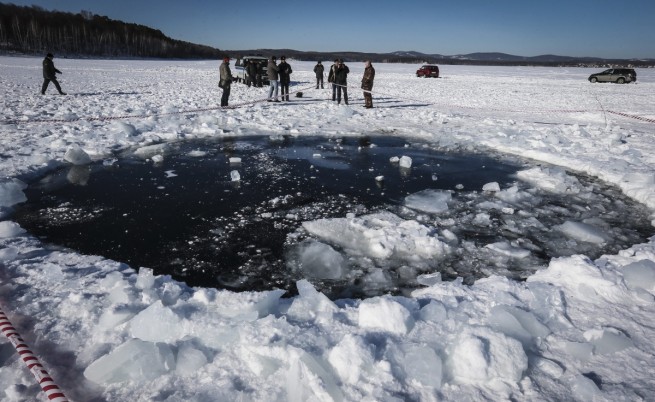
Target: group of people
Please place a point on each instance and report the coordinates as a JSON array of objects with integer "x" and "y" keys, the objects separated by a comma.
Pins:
[
  {"x": 254, "y": 73},
  {"x": 338, "y": 76},
  {"x": 279, "y": 79},
  {"x": 279, "y": 75}
]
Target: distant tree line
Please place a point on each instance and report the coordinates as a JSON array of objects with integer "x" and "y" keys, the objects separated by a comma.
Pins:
[{"x": 33, "y": 30}]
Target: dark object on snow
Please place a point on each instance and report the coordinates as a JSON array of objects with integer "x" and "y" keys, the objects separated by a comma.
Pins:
[
  {"x": 298, "y": 94},
  {"x": 50, "y": 74}
]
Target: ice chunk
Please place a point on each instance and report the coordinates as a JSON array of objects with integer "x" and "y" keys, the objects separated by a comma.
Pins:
[
  {"x": 319, "y": 260},
  {"x": 235, "y": 160},
  {"x": 405, "y": 162},
  {"x": 234, "y": 175},
  {"x": 607, "y": 340},
  {"x": 582, "y": 232},
  {"x": 579, "y": 350},
  {"x": 310, "y": 304},
  {"x": 79, "y": 175},
  {"x": 197, "y": 153},
  {"x": 308, "y": 380},
  {"x": 11, "y": 193},
  {"x": 429, "y": 279},
  {"x": 8, "y": 228},
  {"x": 584, "y": 389},
  {"x": 640, "y": 274},
  {"x": 135, "y": 360},
  {"x": 381, "y": 235},
  {"x": 394, "y": 159},
  {"x": 151, "y": 150},
  {"x": 386, "y": 315},
  {"x": 518, "y": 324},
  {"x": 509, "y": 250},
  {"x": 77, "y": 156},
  {"x": 482, "y": 219},
  {"x": 157, "y": 158},
  {"x": 433, "y": 312},
  {"x": 189, "y": 360},
  {"x": 421, "y": 364},
  {"x": 146, "y": 279},
  {"x": 8, "y": 253},
  {"x": 157, "y": 323},
  {"x": 379, "y": 178},
  {"x": 492, "y": 187},
  {"x": 554, "y": 180},
  {"x": 477, "y": 358},
  {"x": 351, "y": 358},
  {"x": 125, "y": 128},
  {"x": 430, "y": 201},
  {"x": 115, "y": 316}
]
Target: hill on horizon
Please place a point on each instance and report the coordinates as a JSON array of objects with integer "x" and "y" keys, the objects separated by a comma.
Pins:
[{"x": 33, "y": 30}]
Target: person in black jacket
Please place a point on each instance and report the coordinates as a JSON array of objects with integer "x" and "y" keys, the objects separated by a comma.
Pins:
[
  {"x": 285, "y": 79},
  {"x": 50, "y": 74},
  {"x": 251, "y": 69},
  {"x": 333, "y": 68},
  {"x": 340, "y": 77},
  {"x": 319, "y": 70}
]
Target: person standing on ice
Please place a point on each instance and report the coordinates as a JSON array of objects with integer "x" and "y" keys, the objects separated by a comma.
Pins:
[
  {"x": 225, "y": 80},
  {"x": 319, "y": 69},
  {"x": 367, "y": 84},
  {"x": 285, "y": 77},
  {"x": 333, "y": 68},
  {"x": 273, "y": 76},
  {"x": 252, "y": 73},
  {"x": 340, "y": 80},
  {"x": 50, "y": 74}
]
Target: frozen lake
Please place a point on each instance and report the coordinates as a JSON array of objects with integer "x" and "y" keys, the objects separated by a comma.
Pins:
[{"x": 577, "y": 328}]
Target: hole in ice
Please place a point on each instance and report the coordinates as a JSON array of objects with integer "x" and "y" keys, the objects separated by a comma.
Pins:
[{"x": 356, "y": 216}]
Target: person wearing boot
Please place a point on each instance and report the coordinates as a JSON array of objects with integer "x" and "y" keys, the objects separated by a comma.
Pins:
[
  {"x": 50, "y": 74},
  {"x": 367, "y": 84}
]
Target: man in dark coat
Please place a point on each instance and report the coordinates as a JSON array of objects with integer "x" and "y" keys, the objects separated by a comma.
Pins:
[
  {"x": 333, "y": 68},
  {"x": 285, "y": 79},
  {"x": 319, "y": 70},
  {"x": 225, "y": 82},
  {"x": 50, "y": 74},
  {"x": 367, "y": 84},
  {"x": 251, "y": 69},
  {"x": 340, "y": 80}
]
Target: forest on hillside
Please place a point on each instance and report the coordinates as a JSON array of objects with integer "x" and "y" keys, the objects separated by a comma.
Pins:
[{"x": 34, "y": 30}]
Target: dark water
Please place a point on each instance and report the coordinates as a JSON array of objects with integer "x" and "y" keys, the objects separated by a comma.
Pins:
[{"x": 187, "y": 218}]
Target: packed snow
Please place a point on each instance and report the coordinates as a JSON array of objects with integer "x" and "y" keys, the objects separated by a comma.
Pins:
[{"x": 578, "y": 329}]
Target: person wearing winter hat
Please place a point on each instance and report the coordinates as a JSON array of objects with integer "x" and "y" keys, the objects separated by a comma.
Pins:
[
  {"x": 225, "y": 80},
  {"x": 50, "y": 74},
  {"x": 319, "y": 69},
  {"x": 284, "y": 73},
  {"x": 273, "y": 72},
  {"x": 367, "y": 84}
]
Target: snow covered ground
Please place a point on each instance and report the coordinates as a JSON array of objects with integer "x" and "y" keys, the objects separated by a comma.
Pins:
[{"x": 578, "y": 329}]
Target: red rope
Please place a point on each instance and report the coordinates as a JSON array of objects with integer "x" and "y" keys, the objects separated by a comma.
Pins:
[{"x": 52, "y": 391}]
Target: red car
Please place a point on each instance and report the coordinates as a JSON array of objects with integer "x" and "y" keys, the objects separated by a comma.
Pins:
[{"x": 428, "y": 70}]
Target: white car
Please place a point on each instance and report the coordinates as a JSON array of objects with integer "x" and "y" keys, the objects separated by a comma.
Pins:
[{"x": 239, "y": 73}]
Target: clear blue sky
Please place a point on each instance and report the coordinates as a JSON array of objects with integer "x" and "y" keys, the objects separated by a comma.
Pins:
[{"x": 599, "y": 28}]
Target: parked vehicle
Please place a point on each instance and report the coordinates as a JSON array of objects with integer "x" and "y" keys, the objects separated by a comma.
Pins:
[
  {"x": 618, "y": 75},
  {"x": 240, "y": 68},
  {"x": 428, "y": 70}
]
